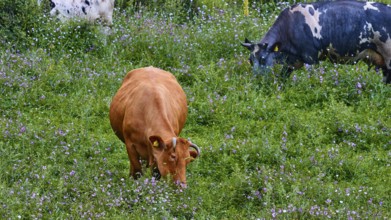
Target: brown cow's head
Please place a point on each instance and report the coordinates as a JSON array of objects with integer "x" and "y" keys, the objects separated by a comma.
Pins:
[{"x": 173, "y": 156}]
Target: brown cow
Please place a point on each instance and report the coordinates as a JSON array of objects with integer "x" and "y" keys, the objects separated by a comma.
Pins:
[{"x": 147, "y": 114}]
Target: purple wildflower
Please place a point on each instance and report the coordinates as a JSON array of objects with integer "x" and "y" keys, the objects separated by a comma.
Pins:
[{"x": 22, "y": 130}]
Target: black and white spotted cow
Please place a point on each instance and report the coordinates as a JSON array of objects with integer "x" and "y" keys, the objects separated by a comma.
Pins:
[
  {"x": 90, "y": 10},
  {"x": 342, "y": 31}
]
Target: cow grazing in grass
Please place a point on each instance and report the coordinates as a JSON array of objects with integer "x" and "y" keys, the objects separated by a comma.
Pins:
[
  {"x": 147, "y": 114},
  {"x": 341, "y": 31},
  {"x": 90, "y": 10}
]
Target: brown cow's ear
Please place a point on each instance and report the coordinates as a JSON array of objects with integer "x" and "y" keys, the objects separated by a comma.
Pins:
[
  {"x": 193, "y": 154},
  {"x": 196, "y": 153},
  {"x": 157, "y": 142}
]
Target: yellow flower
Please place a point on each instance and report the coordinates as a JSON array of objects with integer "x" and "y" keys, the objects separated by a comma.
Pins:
[{"x": 245, "y": 7}]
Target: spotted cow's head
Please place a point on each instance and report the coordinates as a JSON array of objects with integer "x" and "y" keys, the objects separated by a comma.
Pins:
[
  {"x": 264, "y": 56},
  {"x": 62, "y": 10},
  {"x": 173, "y": 156}
]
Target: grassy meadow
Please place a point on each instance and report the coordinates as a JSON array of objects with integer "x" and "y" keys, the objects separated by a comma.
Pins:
[{"x": 314, "y": 146}]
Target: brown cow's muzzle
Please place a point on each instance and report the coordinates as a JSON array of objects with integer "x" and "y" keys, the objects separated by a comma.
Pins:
[{"x": 181, "y": 184}]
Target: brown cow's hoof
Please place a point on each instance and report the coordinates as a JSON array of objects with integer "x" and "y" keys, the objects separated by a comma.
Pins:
[{"x": 156, "y": 173}]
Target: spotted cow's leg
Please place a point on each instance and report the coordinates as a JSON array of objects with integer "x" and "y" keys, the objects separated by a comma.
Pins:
[
  {"x": 286, "y": 72},
  {"x": 387, "y": 76}
]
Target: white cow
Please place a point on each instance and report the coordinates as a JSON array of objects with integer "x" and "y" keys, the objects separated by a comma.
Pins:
[{"x": 90, "y": 10}]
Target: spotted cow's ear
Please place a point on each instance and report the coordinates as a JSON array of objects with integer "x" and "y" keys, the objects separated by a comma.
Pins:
[{"x": 157, "y": 142}]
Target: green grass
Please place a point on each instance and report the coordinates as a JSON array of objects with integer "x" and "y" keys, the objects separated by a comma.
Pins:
[{"x": 316, "y": 146}]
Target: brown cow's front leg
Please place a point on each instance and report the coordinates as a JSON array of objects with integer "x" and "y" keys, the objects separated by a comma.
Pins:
[
  {"x": 156, "y": 173},
  {"x": 153, "y": 166},
  {"x": 135, "y": 166}
]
